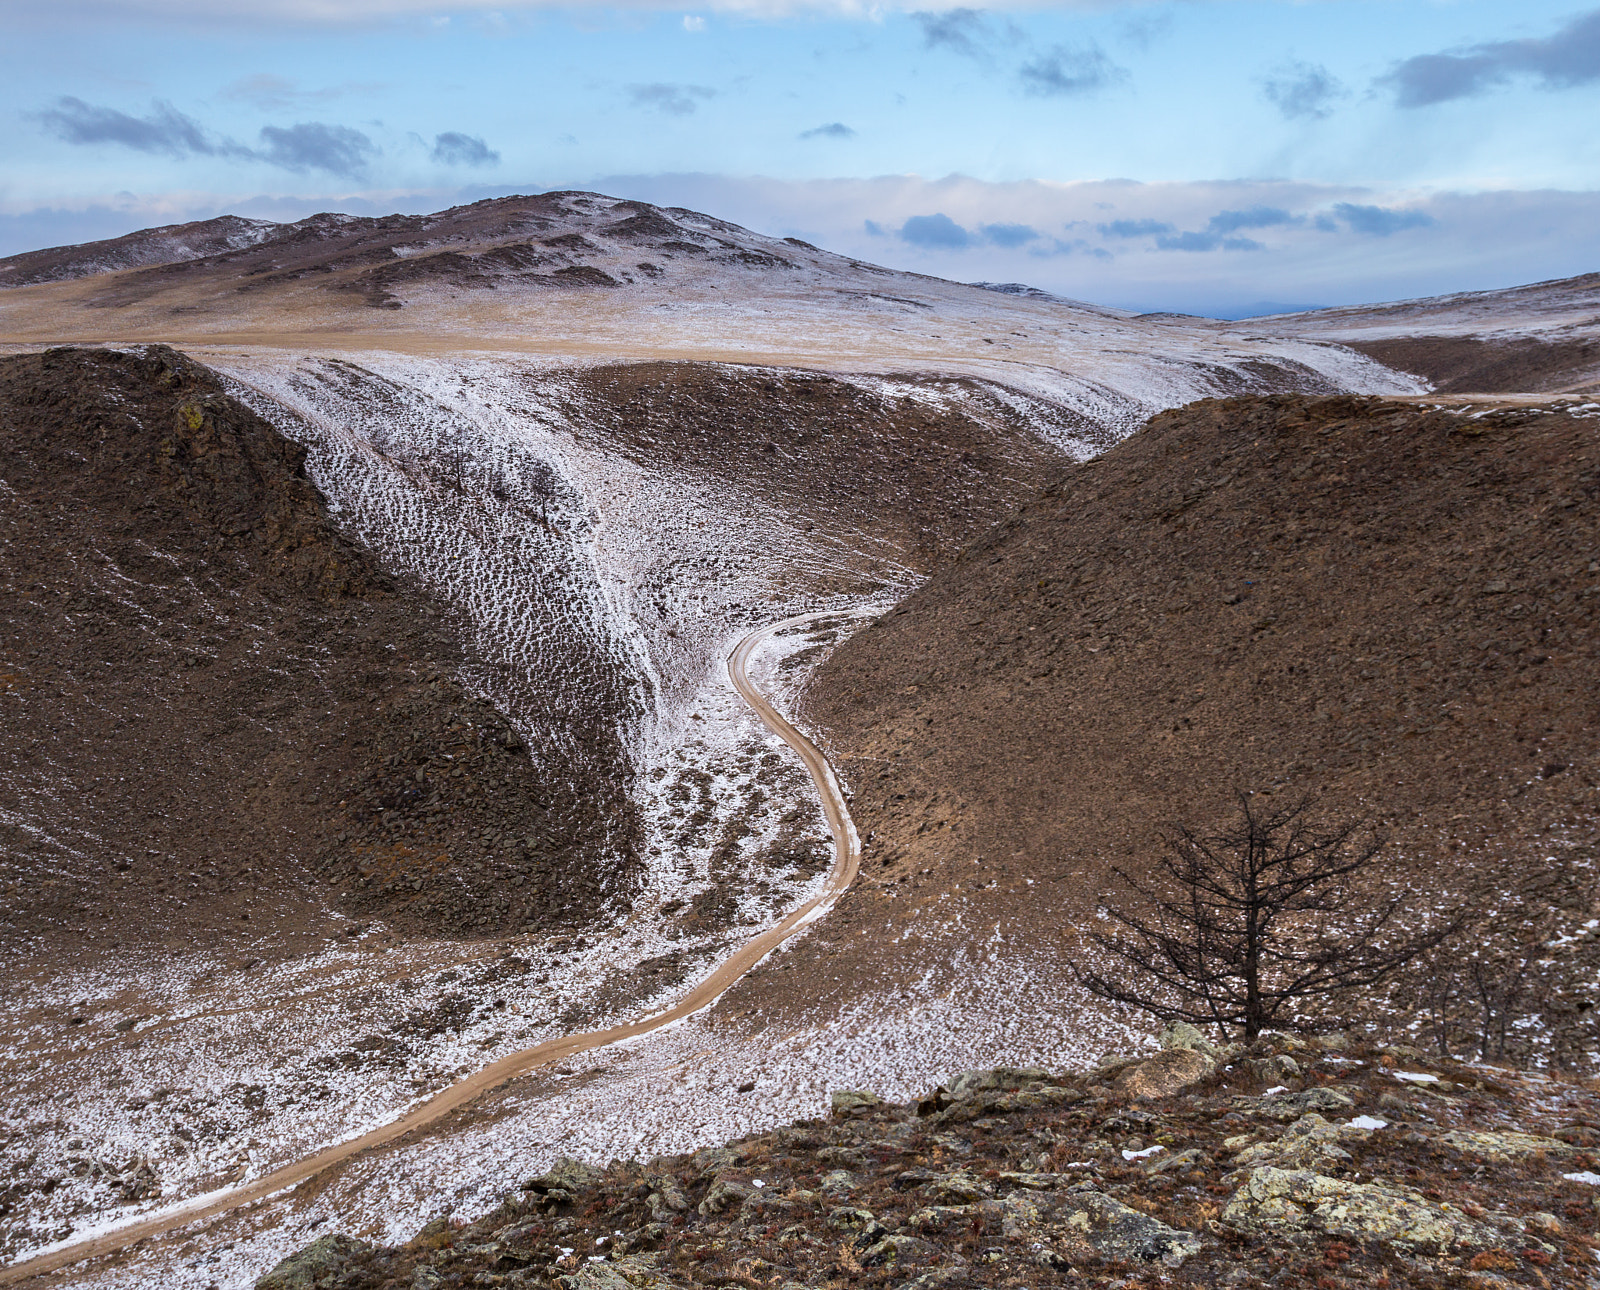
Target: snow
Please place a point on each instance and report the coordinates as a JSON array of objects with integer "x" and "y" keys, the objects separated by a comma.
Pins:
[
  {"x": 1368, "y": 1122},
  {"x": 1142, "y": 1155},
  {"x": 1416, "y": 1077},
  {"x": 1585, "y": 1176}
]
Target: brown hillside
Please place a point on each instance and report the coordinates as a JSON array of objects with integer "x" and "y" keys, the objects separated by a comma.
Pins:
[
  {"x": 1472, "y": 365},
  {"x": 221, "y": 719},
  {"x": 1392, "y": 607}
]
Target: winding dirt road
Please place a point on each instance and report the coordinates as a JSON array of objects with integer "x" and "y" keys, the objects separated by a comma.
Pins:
[{"x": 846, "y": 860}]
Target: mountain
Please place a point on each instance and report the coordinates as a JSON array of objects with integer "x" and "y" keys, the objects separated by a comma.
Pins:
[
  {"x": 1543, "y": 337},
  {"x": 579, "y": 277}
]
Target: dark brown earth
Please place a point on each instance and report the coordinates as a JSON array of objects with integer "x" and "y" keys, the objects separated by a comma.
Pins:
[
  {"x": 1392, "y": 608},
  {"x": 1470, "y": 365},
  {"x": 1012, "y": 1178},
  {"x": 223, "y": 720},
  {"x": 922, "y": 477}
]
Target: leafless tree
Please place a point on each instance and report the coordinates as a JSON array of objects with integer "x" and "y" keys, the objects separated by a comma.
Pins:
[{"x": 1249, "y": 924}]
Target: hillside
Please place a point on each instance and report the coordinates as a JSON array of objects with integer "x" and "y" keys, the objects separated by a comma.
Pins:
[
  {"x": 583, "y": 277},
  {"x": 1390, "y": 607},
  {"x": 1542, "y": 337}
]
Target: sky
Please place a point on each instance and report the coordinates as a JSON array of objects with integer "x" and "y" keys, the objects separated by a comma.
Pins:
[{"x": 1207, "y": 156}]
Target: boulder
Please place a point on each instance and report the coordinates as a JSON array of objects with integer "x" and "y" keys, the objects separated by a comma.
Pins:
[
  {"x": 1117, "y": 1231},
  {"x": 1170, "y": 1071},
  {"x": 997, "y": 1079},
  {"x": 301, "y": 1270},
  {"x": 1309, "y": 1143},
  {"x": 898, "y": 1252},
  {"x": 854, "y": 1101},
  {"x": 1180, "y": 1034},
  {"x": 1503, "y": 1148},
  {"x": 838, "y": 1182},
  {"x": 566, "y": 1175},
  {"x": 725, "y": 1192},
  {"x": 1281, "y": 1201}
]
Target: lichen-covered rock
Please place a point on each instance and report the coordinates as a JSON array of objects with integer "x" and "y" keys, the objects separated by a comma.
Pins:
[
  {"x": 1180, "y": 1034},
  {"x": 958, "y": 1187},
  {"x": 997, "y": 1079},
  {"x": 898, "y": 1251},
  {"x": 853, "y": 1101},
  {"x": 1503, "y": 1148},
  {"x": 1287, "y": 1200},
  {"x": 566, "y": 1175},
  {"x": 725, "y": 1192},
  {"x": 302, "y": 1269},
  {"x": 1117, "y": 1231},
  {"x": 1311, "y": 1142},
  {"x": 1170, "y": 1071}
]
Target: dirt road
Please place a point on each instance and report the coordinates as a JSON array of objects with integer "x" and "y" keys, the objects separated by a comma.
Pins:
[{"x": 846, "y": 859}]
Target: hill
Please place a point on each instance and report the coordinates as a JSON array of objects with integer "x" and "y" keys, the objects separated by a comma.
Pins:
[
  {"x": 1542, "y": 337},
  {"x": 1391, "y": 607}
]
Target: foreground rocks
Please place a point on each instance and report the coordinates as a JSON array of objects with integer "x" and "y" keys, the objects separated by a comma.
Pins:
[{"x": 1344, "y": 1176}]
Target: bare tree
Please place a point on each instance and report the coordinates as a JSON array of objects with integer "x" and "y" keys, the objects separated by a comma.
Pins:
[{"x": 1248, "y": 924}]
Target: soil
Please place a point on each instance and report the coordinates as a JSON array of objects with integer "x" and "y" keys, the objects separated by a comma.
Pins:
[
  {"x": 921, "y": 477},
  {"x": 223, "y": 719},
  {"x": 1025, "y": 1178},
  {"x": 1467, "y": 364},
  {"x": 1389, "y": 607}
]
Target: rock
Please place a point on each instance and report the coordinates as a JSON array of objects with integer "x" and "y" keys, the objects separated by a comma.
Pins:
[
  {"x": 1274, "y": 1070},
  {"x": 1180, "y": 1034},
  {"x": 566, "y": 1175},
  {"x": 1041, "y": 1182},
  {"x": 1502, "y": 1148},
  {"x": 940, "y": 1218},
  {"x": 666, "y": 1194},
  {"x": 997, "y": 1079},
  {"x": 595, "y": 1276},
  {"x": 725, "y": 1192},
  {"x": 1170, "y": 1071},
  {"x": 1287, "y": 1200},
  {"x": 1193, "y": 1158},
  {"x": 853, "y": 1101},
  {"x": 958, "y": 1187},
  {"x": 425, "y": 1278},
  {"x": 1543, "y": 1223},
  {"x": 1291, "y": 1106},
  {"x": 1117, "y": 1231},
  {"x": 838, "y": 1182},
  {"x": 301, "y": 1269},
  {"x": 898, "y": 1251},
  {"x": 1309, "y": 1143},
  {"x": 849, "y": 1218}
]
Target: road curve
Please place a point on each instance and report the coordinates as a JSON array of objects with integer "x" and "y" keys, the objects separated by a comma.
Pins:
[{"x": 846, "y": 861}]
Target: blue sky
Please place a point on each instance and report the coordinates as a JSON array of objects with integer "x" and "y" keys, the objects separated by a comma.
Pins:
[{"x": 1205, "y": 155}]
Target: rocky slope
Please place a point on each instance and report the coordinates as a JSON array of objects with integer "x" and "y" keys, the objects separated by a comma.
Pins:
[
  {"x": 225, "y": 721},
  {"x": 1391, "y": 607},
  {"x": 1289, "y": 1163}
]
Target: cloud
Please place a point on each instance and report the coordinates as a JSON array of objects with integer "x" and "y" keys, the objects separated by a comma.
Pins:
[
  {"x": 940, "y": 232},
  {"x": 310, "y": 145},
  {"x": 693, "y": 22},
  {"x": 166, "y": 131},
  {"x": 674, "y": 100},
  {"x": 936, "y": 231},
  {"x": 1302, "y": 91},
  {"x": 1254, "y": 217},
  {"x": 833, "y": 130},
  {"x": 962, "y": 31},
  {"x": 1570, "y": 57},
  {"x": 1064, "y": 71},
  {"x": 1133, "y": 228},
  {"x": 1010, "y": 235},
  {"x": 315, "y": 145},
  {"x": 1380, "y": 221},
  {"x": 454, "y": 149},
  {"x": 1207, "y": 242}
]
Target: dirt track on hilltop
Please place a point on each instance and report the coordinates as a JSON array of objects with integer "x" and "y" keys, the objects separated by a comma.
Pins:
[{"x": 725, "y": 974}]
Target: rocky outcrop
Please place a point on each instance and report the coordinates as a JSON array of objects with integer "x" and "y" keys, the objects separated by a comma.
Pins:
[
  {"x": 303, "y": 1269},
  {"x": 1020, "y": 1177}
]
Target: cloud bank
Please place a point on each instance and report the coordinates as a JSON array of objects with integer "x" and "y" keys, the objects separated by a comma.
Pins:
[{"x": 1569, "y": 57}]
